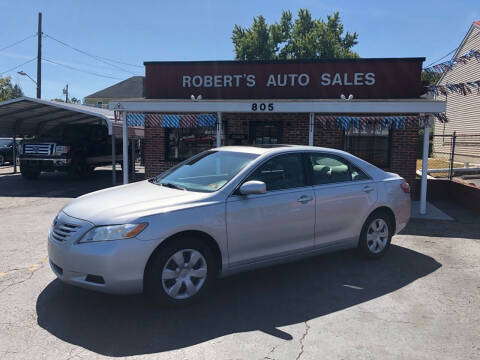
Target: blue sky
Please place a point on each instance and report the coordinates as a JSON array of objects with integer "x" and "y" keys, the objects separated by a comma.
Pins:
[{"x": 137, "y": 31}]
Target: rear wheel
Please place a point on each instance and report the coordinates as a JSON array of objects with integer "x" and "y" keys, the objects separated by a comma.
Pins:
[
  {"x": 376, "y": 235},
  {"x": 180, "y": 273},
  {"x": 2, "y": 160}
]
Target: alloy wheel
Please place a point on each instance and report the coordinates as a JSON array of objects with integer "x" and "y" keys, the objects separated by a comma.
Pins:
[
  {"x": 377, "y": 236},
  {"x": 184, "y": 274}
]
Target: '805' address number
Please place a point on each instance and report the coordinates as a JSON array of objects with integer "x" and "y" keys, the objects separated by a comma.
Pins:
[{"x": 262, "y": 107}]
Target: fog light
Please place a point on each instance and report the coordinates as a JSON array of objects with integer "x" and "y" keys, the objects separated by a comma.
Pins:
[{"x": 96, "y": 279}]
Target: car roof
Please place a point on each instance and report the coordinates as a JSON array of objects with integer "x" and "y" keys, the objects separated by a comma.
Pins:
[{"x": 278, "y": 148}]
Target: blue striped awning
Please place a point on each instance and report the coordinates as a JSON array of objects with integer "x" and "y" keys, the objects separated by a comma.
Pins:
[
  {"x": 181, "y": 120},
  {"x": 135, "y": 119}
]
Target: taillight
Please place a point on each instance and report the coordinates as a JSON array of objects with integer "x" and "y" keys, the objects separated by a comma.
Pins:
[{"x": 405, "y": 187}]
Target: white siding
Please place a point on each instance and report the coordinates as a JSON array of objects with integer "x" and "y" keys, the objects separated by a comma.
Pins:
[{"x": 463, "y": 112}]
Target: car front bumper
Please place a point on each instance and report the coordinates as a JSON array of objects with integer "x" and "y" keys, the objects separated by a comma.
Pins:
[{"x": 115, "y": 267}]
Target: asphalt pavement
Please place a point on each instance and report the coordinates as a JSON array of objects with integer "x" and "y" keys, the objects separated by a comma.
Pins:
[{"x": 421, "y": 301}]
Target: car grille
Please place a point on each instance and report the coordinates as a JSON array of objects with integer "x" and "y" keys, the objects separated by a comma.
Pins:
[
  {"x": 63, "y": 231},
  {"x": 67, "y": 229},
  {"x": 40, "y": 149}
]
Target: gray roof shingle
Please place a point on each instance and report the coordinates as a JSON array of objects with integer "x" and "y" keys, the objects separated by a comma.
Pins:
[{"x": 129, "y": 88}]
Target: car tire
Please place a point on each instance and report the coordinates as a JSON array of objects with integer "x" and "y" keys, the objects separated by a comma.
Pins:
[
  {"x": 376, "y": 235},
  {"x": 169, "y": 283},
  {"x": 30, "y": 174},
  {"x": 79, "y": 170},
  {"x": 2, "y": 160}
]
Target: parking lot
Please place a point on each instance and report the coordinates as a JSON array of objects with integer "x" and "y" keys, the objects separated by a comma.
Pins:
[{"x": 421, "y": 301}]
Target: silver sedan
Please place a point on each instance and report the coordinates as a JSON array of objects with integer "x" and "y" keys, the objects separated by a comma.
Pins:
[{"x": 223, "y": 211}]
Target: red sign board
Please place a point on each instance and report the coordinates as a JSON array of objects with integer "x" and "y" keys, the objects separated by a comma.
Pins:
[{"x": 320, "y": 79}]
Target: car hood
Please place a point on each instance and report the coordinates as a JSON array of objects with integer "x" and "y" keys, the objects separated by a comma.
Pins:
[{"x": 131, "y": 202}]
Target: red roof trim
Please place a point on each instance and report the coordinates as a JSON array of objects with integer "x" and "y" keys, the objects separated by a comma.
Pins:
[{"x": 477, "y": 22}]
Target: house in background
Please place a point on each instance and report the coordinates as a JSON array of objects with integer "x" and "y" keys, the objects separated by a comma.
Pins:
[
  {"x": 131, "y": 88},
  {"x": 463, "y": 111}
]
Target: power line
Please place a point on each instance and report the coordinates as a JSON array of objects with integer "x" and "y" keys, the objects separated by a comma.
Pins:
[
  {"x": 96, "y": 57},
  {"x": 443, "y": 57},
  {"x": 17, "y": 42},
  {"x": 451, "y": 52},
  {"x": 16, "y": 67},
  {"x": 81, "y": 70}
]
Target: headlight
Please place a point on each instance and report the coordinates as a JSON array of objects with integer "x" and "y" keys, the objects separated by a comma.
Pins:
[
  {"x": 60, "y": 149},
  {"x": 113, "y": 232}
]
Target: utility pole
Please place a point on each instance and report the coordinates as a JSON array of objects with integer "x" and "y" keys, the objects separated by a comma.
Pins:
[
  {"x": 65, "y": 91},
  {"x": 39, "y": 57}
]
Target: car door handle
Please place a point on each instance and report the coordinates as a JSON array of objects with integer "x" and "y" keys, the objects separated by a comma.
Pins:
[
  {"x": 367, "y": 189},
  {"x": 304, "y": 199}
]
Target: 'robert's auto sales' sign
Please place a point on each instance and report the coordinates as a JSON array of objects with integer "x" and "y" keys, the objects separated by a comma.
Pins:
[{"x": 363, "y": 78}]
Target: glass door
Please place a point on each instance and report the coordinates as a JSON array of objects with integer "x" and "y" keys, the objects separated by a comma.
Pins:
[{"x": 265, "y": 132}]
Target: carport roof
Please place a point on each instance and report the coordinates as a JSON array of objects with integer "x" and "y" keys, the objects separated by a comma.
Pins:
[{"x": 27, "y": 116}]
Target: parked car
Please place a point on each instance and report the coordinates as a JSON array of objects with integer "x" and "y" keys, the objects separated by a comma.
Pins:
[
  {"x": 223, "y": 211},
  {"x": 6, "y": 151},
  {"x": 73, "y": 148}
]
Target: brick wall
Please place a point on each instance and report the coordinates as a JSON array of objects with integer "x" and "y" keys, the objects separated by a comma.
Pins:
[
  {"x": 155, "y": 150},
  {"x": 404, "y": 155},
  {"x": 328, "y": 137},
  {"x": 295, "y": 131}
]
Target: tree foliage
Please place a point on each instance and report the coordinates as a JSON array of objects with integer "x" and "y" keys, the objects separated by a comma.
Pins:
[
  {"x": 302, "y": 38},
  {"x": 430, "y": 78},
  {"x": 72, "y": 100},
  {"x": 8, "y": 90}
]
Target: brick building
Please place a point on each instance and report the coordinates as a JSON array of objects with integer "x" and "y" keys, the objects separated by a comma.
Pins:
[{"x": 369, "y": 107}]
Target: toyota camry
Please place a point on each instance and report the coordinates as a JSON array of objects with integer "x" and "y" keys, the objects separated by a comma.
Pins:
[{"x": 223, "y": 211}]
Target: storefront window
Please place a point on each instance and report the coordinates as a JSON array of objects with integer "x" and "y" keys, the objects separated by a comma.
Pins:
[
  {"x": 183, "y": 143},
  {"x": 371, "y": 143},
  {"x": 264, "y": 133}
]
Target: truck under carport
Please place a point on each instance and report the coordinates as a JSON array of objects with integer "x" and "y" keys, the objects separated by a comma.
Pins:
[{"x": 30, "y": 117}]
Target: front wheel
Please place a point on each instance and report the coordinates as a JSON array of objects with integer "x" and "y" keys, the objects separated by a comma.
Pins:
[
  {"x": 2, "y": 160},
  {"x": 180, "y": 273},
  {"x": 30, "y": 173},
  {"x": 376, "y": 235}
]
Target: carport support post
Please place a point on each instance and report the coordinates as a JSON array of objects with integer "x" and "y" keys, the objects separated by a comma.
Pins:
[
  {"x": 219, "y": 129},
  {"x": 311, "y": 126},
  {"x": 125, "y": 147},
  {"x": 423, "y": 191},
  {"x": 14, "y": 154},
  {"x": 114, "y": 160}
]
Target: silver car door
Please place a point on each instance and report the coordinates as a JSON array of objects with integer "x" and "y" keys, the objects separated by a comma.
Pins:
[
  {"x": 344, "y": 196},
  {"x": 279, "y": 222}
]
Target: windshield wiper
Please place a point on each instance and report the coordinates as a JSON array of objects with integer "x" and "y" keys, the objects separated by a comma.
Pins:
[{"x": 173, "y": 186}]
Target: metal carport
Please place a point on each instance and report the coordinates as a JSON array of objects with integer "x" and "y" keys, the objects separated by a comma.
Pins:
[{"x": 28, "y": 116}]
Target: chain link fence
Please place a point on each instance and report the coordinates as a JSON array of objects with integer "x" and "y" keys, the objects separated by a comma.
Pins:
[{"x": 453, "y": 156}]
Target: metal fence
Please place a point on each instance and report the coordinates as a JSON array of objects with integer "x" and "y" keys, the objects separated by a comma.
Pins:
[{"x": 454, "y": 156}]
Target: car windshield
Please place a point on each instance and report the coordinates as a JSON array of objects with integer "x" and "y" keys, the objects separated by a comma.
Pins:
[
  {"x": 207, "y": 172},
  {"x": 5, "y": 142}
]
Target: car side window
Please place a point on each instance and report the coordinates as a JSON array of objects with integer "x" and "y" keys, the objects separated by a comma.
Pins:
[
  {"x": 281, "y": 172},
  {"x": 330, "y": 169}
]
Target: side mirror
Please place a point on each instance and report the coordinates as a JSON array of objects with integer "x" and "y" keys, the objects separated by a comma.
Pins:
[{"x": 253, "y": 187}]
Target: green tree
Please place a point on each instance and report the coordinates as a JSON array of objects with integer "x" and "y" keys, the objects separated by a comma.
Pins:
[
  {"x": 302, "y": 38},
  {"x": 72, "y": 100},
  {"x": 16, "y": 91},
  {"x": 430, "y": 78},
  {"x": 8, "y": 90}
]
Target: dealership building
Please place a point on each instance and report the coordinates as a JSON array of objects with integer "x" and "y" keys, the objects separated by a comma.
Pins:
[{"x": 372, "y": 108}]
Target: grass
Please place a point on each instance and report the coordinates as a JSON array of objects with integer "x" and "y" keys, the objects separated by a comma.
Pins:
[{"x": 434, "y": 163}]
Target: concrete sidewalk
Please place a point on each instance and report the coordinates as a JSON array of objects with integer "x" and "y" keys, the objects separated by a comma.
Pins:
[{"x": 433, "y": 213}]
